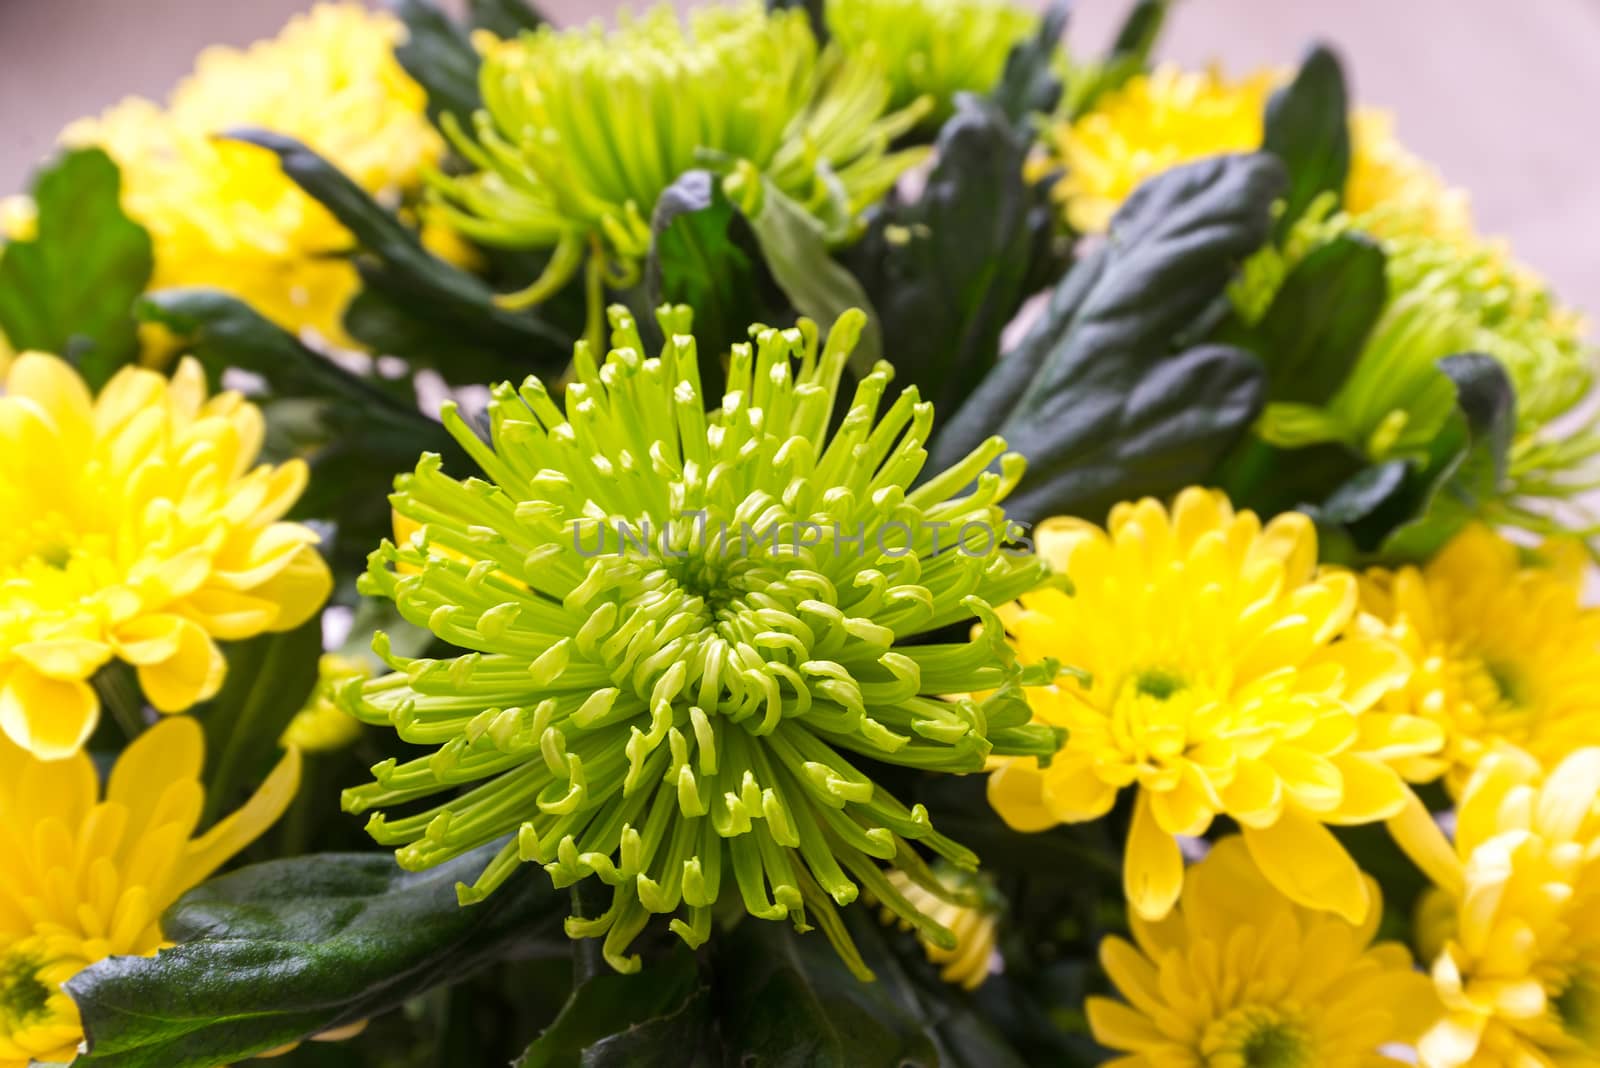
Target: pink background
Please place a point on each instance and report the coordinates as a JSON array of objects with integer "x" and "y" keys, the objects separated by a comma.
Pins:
[{"x": 1501, "y": 97}]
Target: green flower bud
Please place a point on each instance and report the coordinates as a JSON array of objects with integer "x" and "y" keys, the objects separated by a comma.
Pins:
[
  {"x": 582, "y": 130},
  {"x": 935, "y": 50},
  {"x": 683, "y": 627}
]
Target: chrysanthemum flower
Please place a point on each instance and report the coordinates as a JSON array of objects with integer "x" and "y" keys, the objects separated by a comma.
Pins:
[
  {"x": 222, "y": 213},
  {"x": 1240, "y": 977},
  {"x": 1151, "y": 124},
  {"x": 1171, "y": 116},
  {"x": 680, "y": 625},
  {"x": 967, "y": 905},
  {"x": 137, "y": 529},
  {"x": 324, "y": 724},
  {"x": 1520, "y": 974},
  {"x": 582, "y": 130},
  {"x": 88, "y": 877},
  {"x": 937, "y": 50},
  {"x": 1225, "y": 677},
  {"x": 1504, "y": 651}
]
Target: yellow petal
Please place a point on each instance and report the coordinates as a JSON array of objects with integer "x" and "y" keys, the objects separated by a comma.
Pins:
[
  {"x": 64, "y": 658},
  {"x": 51, "y": 718},
  {"x": 1153, "y": 869},
  {"x": 1116, "y": 1026},
  {"x": 1373, "y": 791},
  {"x": 193, "y": 672},
  {"x": 56, "y": 387},
  {"x": 233, "y": 832},
  {"x": 299, "y": 590},
  {"x": 1016, "y": 792},
  {"x": 1305, "y": 861}
]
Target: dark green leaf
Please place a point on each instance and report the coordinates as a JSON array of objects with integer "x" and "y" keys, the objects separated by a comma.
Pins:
[
  {"x": 795, "y": 251},
  {"x": 439, "y": 55},
  {"x": 358, "y": 436},
  {"x": 789, "y": 1001},
  {"x": 656, "y": 1016},
  {"x": 1030, "y": 85},
  {"x": 1094, "y": 395},
  {"x": 695, "y": 260},
  {"x": 504, "y": 18},
  {"x": 279, "y": 951},
  {"x": 1307, "y": 127},
  {"x": 1128, "y": 56},
  {"x": 813, "y": 9},
  {"x": 416, "y": 305},
  {"x": 269, "y": 678},
  {"x": 70, "y": 290},
  {"x": 949, "y": 270},
  {"x": 1317, "y": 325},
  {"x": 1140, "y": 30}
]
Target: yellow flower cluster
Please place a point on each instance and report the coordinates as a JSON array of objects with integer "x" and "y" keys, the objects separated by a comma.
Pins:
[
  {"x": 1519, "y": 894},
  {"x": 87, "y": 877},
  {"x": 140, "y": 529},
  {"x": 1171, "y": 116},
  {"x": 1239, "y": 976},
  {"x": 1227, "y": 677},
  {"x": 1229, "y": 674},
  {"x": 1503, "y": 650},
  {"x": 221, "y": 213}
]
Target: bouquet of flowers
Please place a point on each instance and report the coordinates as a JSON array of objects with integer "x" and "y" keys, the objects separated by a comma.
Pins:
[{"x": 830, "y": 534}]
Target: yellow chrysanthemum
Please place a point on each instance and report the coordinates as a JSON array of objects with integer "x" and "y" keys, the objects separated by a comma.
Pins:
[
  {"x": 1152, "y": 123},
  {"x": 1240, "y": 977},
  {"x": 88, "y": 877},
  {"x": 1225, "y": 678},
  {"x": 974, "y": 922},
  {"x": 1503, "y": 650},
  {"x": 136, "y": 529},
  {"x": 323, "y": 724},
  {"x": 1171, "y": 116},
  {"x": 1396, "y": 193},
  {"x": 222, "y": 213},
  {"x": 1519, "y": 975}
]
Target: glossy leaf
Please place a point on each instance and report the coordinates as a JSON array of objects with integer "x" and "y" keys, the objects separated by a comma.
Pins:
[
  {"x": 695, "y": 260},
  {"x": 659, "y": 1015},
  {"x": 1030, "y": 84},
  {"x": 1317, "y": 325},
  {"x": 1095, "y": 397},
  {"x": 790, "y": 1001},
  {"x": 414, "y": 304},
  {"x": 948, "y": 271},
  {"x": 277, "y": 952},
  {"x": 439, "y": 56},
  {"x": 269, "y": 678},
  {"x": 795, "y": 250},
  {"x": 70, "y": 289},
  {"x": 1307, "y": 126}
]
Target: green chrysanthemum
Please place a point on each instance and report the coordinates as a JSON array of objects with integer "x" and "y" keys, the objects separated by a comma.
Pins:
[
  {"x": 680, "y": 623},
  {"x": 582, "y": 130},
  {"x": 1446, "y": 296},
  {"x": 932, "y": 49}
]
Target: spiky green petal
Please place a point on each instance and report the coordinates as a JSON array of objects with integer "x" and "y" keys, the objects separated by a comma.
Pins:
[
  {"x": 583, "y": 129},
  {"x": 685, "y": 626},
  {"x": 932, "y": 49}
]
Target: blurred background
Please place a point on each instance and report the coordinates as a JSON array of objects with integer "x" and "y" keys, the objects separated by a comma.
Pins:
[{"x": 1499, "y": 99}]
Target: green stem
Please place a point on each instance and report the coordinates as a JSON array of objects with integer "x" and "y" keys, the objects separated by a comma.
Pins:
[{"x": 120, "y": 695}]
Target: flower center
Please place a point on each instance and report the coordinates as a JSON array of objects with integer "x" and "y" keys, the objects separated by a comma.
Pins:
[
  {"x": 1159, "y": 683},
  {"x": 23, "y": 997},
  {"x": 1258, "y": 1037},
  {"x": 1578, "y": 1007}
]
